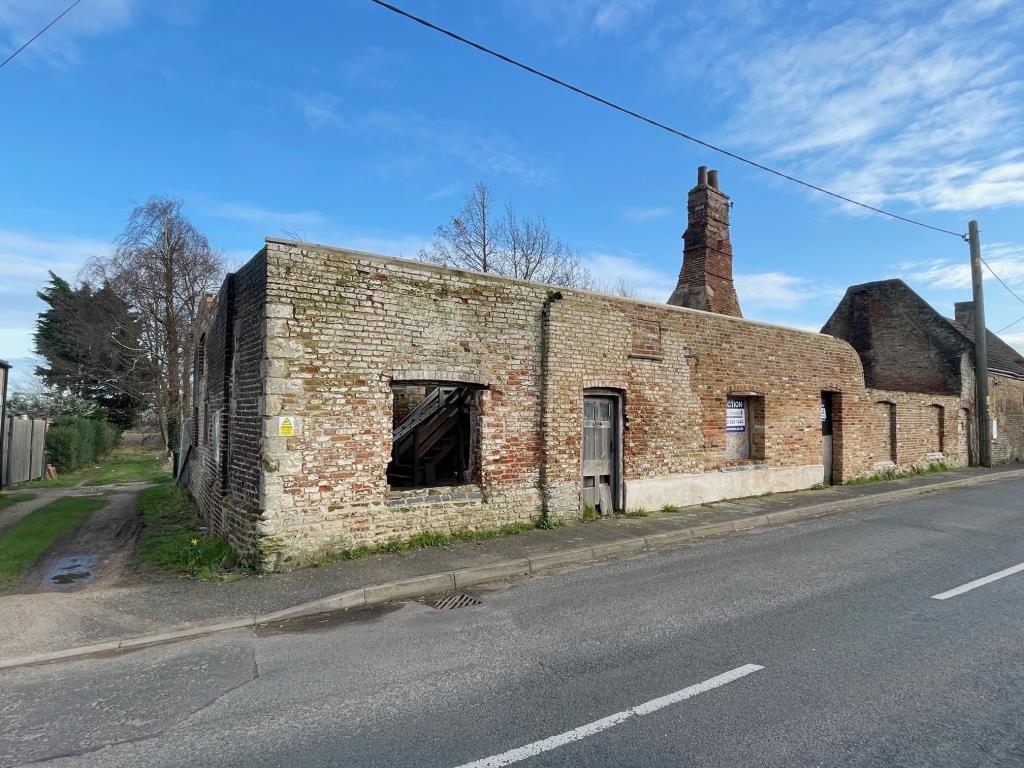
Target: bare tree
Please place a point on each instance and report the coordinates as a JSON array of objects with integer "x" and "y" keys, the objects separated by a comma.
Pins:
[
  {"x": 470, "y": 239},
  {"x": 509, "y": 245},
  {"x": 162, "y": 266},
  {"x": 531, "y": 252},
  {"x": 620, "y": 286}
]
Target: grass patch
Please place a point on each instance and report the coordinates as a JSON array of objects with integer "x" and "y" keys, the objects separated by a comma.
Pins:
[
  {"x": 26, "y": 540},
  {"x": 894, "y": 474},
  {"x": 171, "y": 539},
  {"x": 548, "y": 523},
  {"x": 10, "y": 499},
  {"x": 672, "y": 508},
  {"x": 638, "y": 512},
  {"x": 119, "y": 468},
  {"x": 589, "y": 513},
  {"x": 429, "y": 539}
]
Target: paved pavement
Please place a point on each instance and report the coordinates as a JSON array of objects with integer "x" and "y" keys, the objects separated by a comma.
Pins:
[
  {"x": 814, "y": 644},
  {"x": 46, "y": 623}
]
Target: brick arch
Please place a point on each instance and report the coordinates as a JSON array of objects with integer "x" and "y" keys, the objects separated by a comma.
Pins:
[
  {"x": 745, "y": 387},
  {"x": 453, "y": 373},
  {"x": 605, "y": 382}
]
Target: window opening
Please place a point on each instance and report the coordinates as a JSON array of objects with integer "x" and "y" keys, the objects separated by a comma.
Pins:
[
  {"x": 435, "y": 434},
  {"x": 744, "y": 427}
]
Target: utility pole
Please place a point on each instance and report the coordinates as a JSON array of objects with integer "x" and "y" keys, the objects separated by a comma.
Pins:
[{"x": 980, "y": 351}]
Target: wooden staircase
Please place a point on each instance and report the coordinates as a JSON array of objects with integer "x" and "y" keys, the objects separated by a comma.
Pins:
[{"x": 431, "y": 443}]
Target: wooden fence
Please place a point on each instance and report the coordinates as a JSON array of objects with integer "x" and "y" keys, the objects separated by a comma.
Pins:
[{"x": 23, "y": 442}]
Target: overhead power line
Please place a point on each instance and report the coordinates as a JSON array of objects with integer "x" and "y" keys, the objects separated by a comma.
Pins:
[
  {"x": 1007, "y": 327},
  {"x": 39, "y": 33},
  {"x": 656, "y": 123},
  {"x": 1002, "y": 282}
]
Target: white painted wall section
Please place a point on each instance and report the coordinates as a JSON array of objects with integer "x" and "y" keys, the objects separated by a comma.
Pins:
[{"x": 685, "y": 490}]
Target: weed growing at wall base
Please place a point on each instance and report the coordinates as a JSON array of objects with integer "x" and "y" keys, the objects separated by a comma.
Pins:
[
  {"x": 895, "y": 474},
  {"x": 173, "y": 539},
  {"x": 429, "y": 539}
]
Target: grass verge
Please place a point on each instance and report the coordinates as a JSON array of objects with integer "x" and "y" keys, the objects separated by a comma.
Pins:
[
  {"x": 25, "y": 541},
  {"x": 894, "y": 474},
  {"x": 428, "y": 539},
  {"x": 119, "y": 468},
  {"x": 10, "y": 499},
  {"x": 173, "y": 540}
]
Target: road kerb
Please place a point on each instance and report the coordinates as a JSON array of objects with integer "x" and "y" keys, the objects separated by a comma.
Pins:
[
  {"x": 94, "y": 649},
  {"x": 414, "y": 587},
  {"x": 748, "y": 523},
  {"x": 668, "y": 538},
  {"x": 184, "y": 633},
  {"x": 620, "y": 547},
  {"x": 447, "y": 581},
  {"x": 343, "y": 601},
  {"x": 481, "y": 574},
  {"x": 561, "y": 557}
]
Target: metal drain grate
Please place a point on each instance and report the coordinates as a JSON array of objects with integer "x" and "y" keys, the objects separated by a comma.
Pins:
[{"x": 455, "y": 601}]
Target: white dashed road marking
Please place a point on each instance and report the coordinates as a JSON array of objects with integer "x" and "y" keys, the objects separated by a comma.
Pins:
[
  {"x": 979, "y": 582},
  {"x": 576, "y": 734}
]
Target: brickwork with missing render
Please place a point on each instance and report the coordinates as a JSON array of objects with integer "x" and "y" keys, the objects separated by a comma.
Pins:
[{"x": 305, "y": 345}]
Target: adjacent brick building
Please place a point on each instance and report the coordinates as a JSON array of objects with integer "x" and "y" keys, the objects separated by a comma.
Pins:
[
  {"x": 905, "y": 344},
  {"x": 346, "y": 398}
]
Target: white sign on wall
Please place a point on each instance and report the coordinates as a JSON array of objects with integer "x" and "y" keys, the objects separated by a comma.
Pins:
[{"x": 735, "y": 416}]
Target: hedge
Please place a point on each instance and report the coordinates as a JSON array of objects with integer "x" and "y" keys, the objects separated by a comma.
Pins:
[{"x": 74, "y": 441}]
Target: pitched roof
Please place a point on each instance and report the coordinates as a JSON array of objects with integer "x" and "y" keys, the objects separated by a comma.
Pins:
[{"x": 1002, "y": 358}]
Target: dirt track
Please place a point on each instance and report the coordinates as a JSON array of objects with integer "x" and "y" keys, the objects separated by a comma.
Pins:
[{"x": 98, "y": 552}]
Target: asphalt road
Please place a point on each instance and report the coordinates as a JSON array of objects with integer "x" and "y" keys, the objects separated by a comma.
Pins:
[{"x": 833, "y": 651}]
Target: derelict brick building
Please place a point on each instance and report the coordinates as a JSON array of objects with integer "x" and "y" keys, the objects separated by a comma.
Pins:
[{"x": 345, "y": 398}]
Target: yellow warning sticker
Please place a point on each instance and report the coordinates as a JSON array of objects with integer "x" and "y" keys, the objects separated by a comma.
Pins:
[{"x": 285, "y": 426}]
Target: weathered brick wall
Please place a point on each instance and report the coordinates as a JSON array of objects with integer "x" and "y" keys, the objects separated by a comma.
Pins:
[
  {"x": 226, "y": 475},
  {"x": 926, "y": 425},
  {"x": 903, "y": 344},
  {"x": 342, "y": 326},
  {"x": 1007, "y": 407}
]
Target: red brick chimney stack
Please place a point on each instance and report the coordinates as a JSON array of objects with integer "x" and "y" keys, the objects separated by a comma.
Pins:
[{"x": 705, "y": 281}]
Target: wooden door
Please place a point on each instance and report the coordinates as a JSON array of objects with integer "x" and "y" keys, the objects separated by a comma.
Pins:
[
  {"x": 600, "y": 453},
  {"x": 826, "y": 435}
]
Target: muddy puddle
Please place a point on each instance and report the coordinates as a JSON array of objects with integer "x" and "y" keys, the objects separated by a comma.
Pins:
[{"x": 71, "y": 572}]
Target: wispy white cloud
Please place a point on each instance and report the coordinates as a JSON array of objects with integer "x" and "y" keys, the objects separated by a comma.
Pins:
[
  {"x": 370, "y": 67},
  {"x": 25, "y": 259},
  {"x": 646, "y": 214},
  {"x": 571, "y": 18},
  {"x": 928, "y": 112},
  {"x": 450, "y": 190},
  {"x": 1006, "y": 259},
  {"x": 1014, "y": 339},
  {"x": 320, "y": 110},
  {"x": 272, "y": 220},
  {"x": 778, "y": 290},
  {"x": 404, "y": 247},
  {"x": 411, "y": 138},
  {"x": 639, "y": 276},
  {"x": 61, "y": 45}
]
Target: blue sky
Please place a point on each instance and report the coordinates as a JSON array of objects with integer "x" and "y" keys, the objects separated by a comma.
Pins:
[{"x": 345, "y": 124}]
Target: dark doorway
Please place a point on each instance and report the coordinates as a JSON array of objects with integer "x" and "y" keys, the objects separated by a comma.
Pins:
[
  {"x": 826, "y": 435},
  {"x": 434, "y": 434},
  {"x": 602, "y": 453}
]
